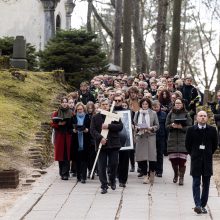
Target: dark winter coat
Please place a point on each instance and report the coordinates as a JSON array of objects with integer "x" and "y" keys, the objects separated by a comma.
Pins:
[
  {"x": 86, "y": 97},
  {"x": 201, "y": 160},
  {"x": 161, "y": 132},
  {"x": 86, "y": 136},
  {"x": 113, "y": 139},
  {"x": 190, "y": 94},
  {"x": 176, "y": 136}
]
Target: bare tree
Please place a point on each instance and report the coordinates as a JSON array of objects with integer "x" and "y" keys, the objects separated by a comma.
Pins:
[
  {"x": 126, "y": 49},
  {"x": 89, "y": 14},
  {"x": 138, "y": 35},
  {"x": 101, "y": 21},
  {"x": 175, "y": 38},
  {"x": 117, "y": 34},
  {"x": 160, "y": 44}
]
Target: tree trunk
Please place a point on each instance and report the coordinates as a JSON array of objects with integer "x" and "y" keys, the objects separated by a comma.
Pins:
[
  {"x": 138, "y": 36},
  {"x": 218, "y": 69},
  {"x": 175, "y": 38},
  {"x": 126, "y": 49},
  {"x": 117, "y": 37},
  {"x": 89, "y": 13},
  {"x": 160, "y": 44}
]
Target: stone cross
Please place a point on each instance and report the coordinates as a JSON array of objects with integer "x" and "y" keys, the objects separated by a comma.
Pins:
[{"x": 110, "y": 116}]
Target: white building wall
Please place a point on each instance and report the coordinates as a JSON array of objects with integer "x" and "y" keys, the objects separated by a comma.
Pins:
[
  {"x": 23, "y": 17},
  {"x": 26, "y": 17}
]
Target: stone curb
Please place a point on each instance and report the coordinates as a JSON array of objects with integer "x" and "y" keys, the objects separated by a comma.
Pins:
[{"x": 25, "y": 203}]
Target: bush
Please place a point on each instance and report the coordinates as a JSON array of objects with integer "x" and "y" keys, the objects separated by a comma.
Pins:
[
  {"x": 4, "y": 62},
  {"x": 74, "y": 51}
]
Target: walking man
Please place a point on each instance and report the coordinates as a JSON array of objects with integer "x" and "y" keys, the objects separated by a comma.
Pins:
[
  {"x": 201, "y": 143},
  {"x": 108, "y": 157}
]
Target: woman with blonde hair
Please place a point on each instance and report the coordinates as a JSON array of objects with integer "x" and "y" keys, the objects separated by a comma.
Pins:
[{"x": 81, "y": 139}]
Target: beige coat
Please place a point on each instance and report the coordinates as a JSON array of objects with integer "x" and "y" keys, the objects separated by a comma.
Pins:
[{"x": 146, "y": 143}]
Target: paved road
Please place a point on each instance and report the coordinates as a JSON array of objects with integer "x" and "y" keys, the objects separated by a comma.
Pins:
[{"x": 53, "y": 198}]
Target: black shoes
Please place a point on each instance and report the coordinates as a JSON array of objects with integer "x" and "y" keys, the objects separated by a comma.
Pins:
[
  {"x": 198, "y": 210},
  {"x": 159, "y": 174},
  {"x": 64, "y": 177},
  {"x": 104, "y": 191},
  {"x": 140, "y": 174},
  {"x": 83, "y": 181},
  {"x": 204, "y": 211},
  {"x": 113, "y": 186},
  {"x": 122, "y": 185},
  {"x": 132, "y": 169}
]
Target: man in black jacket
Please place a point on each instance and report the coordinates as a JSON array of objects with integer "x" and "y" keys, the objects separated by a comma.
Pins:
[
  {"x": 84, "y": 94},
  {"x": 108, "y": 156},
  {"x": 201, "y": 143}
]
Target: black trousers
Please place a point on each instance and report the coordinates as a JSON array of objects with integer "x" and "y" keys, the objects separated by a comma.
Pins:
[
  {"x": 108, "y": 158},
  {"x": 123, "y": 166},
  {"x": 91, "y": 157},
  {"x": 81, "y": 164},
  {"x": 160, "y": 144},
  {"x": 131, "y": 156},
  {"x": 64, "y": 165},
  {"x": 143, "y": 165}
]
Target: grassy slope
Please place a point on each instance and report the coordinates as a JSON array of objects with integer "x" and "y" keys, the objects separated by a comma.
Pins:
[{"x": 23, "y": 106}]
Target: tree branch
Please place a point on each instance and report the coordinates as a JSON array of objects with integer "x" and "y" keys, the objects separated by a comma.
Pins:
[{"x": 102, "y": 22}]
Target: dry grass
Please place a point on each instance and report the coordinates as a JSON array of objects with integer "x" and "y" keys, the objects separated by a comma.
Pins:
[{"x": 23, "y": 106}]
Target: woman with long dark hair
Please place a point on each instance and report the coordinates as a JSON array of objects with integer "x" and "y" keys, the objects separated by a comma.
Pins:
[
  {"x": 62, "y": 124},
  {"x": 91, "y": 111},
  {"x": 165, "y": 100}
]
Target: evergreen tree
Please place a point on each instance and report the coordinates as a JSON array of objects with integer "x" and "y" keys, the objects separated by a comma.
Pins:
[{"x": 74, "y": 51}]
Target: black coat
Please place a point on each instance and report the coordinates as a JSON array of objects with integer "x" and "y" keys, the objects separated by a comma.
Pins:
[
  {"x": 201, "y": 160},
  {"x": 113, "y": 140},
  {"x": 86, "y": 136},
  {"x": 86, "y": 97}
]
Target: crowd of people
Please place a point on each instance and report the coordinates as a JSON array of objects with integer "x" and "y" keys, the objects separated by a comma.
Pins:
[{"x": 162, "y": 109}]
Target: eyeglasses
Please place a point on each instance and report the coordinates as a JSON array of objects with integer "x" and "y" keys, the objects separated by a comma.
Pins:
[
  {"x": 117, "y": 100},
  {"x": 178, "y": 103}
]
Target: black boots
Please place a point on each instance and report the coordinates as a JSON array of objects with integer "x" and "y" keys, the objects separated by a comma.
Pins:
[
  {"x": 182, "y": 172},
  {"x": 176, "y": 173}
]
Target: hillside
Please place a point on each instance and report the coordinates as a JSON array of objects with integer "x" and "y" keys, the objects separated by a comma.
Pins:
[{"x": 23, "y": 106}]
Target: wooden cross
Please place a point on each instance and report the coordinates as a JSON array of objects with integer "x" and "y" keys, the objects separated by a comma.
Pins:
[{"x": 110, "y": 116}]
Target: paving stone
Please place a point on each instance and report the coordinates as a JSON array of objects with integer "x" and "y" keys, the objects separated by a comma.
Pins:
[{"x": 68, "y": 200}]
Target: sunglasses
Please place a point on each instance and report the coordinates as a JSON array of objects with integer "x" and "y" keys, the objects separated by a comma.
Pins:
[{"x": 117, "y": 100}]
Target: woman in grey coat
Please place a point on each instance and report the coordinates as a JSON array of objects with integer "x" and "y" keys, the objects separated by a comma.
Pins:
[
  {"x": 177, "y": 122},
  {"x": 146, "y": 124}
]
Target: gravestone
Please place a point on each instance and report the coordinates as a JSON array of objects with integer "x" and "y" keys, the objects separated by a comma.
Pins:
[{"x": 19, "y": 53}]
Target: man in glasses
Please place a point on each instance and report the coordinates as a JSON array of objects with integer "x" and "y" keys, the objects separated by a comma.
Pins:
[
  {"x": 123, "y": 154},
  {"x": 108, "y": 157}
]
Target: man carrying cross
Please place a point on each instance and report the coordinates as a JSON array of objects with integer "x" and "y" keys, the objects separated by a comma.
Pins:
[{"x": 108, "y": 156}]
